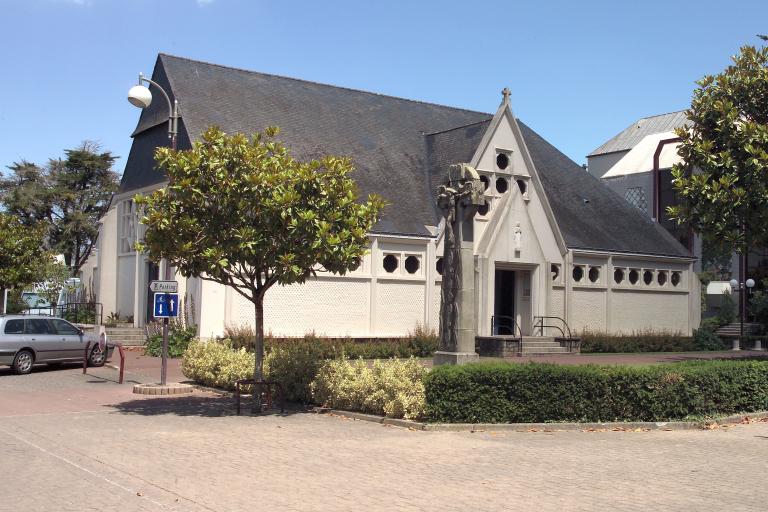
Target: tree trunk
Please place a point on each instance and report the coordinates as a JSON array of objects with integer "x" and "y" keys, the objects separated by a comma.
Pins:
[{"x": 258, "y": 351}]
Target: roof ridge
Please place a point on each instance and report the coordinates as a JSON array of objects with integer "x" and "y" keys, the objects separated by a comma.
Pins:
[
  {"x": 234, "y": 68},
  {"x": 459, "y": 127},
  {"x": 659, "y": 115}
]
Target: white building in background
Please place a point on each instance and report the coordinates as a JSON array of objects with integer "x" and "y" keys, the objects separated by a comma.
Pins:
[{"x": 552, "y": 242}]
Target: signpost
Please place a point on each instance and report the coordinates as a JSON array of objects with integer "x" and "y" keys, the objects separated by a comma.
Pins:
[{"x": 166, "y": 305}]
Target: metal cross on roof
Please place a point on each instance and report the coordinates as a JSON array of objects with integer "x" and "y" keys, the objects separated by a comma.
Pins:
[{"x": 506, "y": 92}]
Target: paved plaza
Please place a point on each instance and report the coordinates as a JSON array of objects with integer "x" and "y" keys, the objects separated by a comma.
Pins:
[{"x": 74, "y": 442}]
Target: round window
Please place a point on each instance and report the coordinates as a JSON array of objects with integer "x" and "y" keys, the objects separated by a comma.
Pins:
[
  {"x": 618, "y": 275},
  {"x": 501, "y": 185},
  {"x": 412, "y": 264},
  {"x": 661, "y": 278},
  {"x": 594, "y": 274},
  {"x": 675, "y": 280},
  {"x": 439, "y": 266},
  {"x": 522, "y": 185},
  {"x": 502, "y": 161},
  {"x": 390, "y": 263},
  {"x": 647, "y": 277},
  {"x": 578, "y": 274},
  {"x": 634, "y": 276},
  {"x": 485, "y": 181}
]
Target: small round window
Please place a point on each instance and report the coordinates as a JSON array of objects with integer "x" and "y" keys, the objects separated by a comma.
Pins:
[
  {"x": 439, "y": 266},
  {"x": 618, "y": 275},
  {"x": 555, "y": 270},
  {"x": 661, "y": 278},
  {"x": 485, "y": 181},
  {"x": 578, "y": 274},
  {"x": 647, "y": 277},
  {"x": 594, "y": 274},
  {"x": 501, "y": 185},
  {"x": 411, "y": 264},
  {"x": 675, "y": 279},
  {"x": 390, "y": 263},
  {"x": 483, "y": 209},
  {"x": 522, "y": 185},
  {"x": 502, "y": 161},
  {"x": 634, "y": 276}
]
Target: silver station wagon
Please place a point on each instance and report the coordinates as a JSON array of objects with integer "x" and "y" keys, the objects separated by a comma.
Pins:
[{"x": 26, "y": 340}]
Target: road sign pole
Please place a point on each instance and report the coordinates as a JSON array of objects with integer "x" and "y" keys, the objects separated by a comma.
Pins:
[{"x": 164, "y": 366}]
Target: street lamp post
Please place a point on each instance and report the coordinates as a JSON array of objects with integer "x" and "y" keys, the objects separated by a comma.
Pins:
[
  {"x": 141, "y": 97},
  {"x": 742, "y": 288}
]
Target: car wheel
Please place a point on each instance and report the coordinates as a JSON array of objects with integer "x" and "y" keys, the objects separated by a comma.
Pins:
[
  {"x": 97, "y": 357},
  {"x": 22, "y": 363}
]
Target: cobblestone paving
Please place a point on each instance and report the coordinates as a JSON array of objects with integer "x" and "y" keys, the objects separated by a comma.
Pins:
[{"x": 191, "y": 454}]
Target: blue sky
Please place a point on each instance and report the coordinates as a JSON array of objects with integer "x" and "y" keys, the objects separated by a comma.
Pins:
[{"x": 579, "y": 71}]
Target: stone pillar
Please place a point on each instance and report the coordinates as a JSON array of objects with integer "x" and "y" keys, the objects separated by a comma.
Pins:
[{"x": 466, "y": 325}]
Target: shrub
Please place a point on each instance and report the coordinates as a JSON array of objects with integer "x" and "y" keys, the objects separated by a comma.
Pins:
[
  {"x": 642, "y": 341},
  {"x": 393, "y": 387},
  {"x": 294, "y": 364},
  {"x": 217, "y": 364},
  {"x": 727, "y": 312},
  {"x": 704, "y": 338},
  {"x": 179, "y": 339},
  {"x": 504, "y": 392}
]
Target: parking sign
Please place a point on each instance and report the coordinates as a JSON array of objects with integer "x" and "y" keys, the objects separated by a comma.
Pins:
[{"x": 166, "y": 305}]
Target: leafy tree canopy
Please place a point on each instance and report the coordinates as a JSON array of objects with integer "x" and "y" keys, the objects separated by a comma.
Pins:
[
  {"x": 723, "y": 180},
  {"x": 22, "y": 255},
  {"x": 242, "y": 212},
  {"x": 70, "y": 195}
]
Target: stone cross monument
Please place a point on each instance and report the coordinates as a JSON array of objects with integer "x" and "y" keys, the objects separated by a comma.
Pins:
[{"x": 459, "y": 200}]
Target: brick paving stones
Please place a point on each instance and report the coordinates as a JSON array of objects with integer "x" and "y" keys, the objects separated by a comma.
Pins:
[{"x": 128, "y": 453}]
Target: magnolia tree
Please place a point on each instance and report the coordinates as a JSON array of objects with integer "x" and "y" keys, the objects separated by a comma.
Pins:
[
  {"x": 723, "y": 180},
  {"x": 242, "y": 212}
]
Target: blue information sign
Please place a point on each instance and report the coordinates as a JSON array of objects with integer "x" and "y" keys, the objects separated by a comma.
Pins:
[{"x": 166, "y": 305}]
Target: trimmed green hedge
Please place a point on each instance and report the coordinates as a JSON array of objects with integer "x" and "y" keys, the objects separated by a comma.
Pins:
[
  {"x": 597, "y": 342},
  {"x": 534, "y": 392}
]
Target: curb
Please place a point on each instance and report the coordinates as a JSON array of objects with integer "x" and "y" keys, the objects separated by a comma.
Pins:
[{"x": 543, "y": 427}]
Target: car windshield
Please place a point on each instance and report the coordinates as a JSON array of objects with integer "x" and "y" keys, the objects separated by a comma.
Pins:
[{"x": 34, "y": 299}]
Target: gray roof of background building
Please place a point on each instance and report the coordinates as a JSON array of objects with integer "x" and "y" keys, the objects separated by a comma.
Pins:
[
  {"x": 635, "y": 132},
  {"x": 401, "y": 149}
]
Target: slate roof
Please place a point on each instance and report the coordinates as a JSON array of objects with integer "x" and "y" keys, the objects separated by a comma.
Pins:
[
  {"x": 400, "y": 147},
  {"x": 383, "y": 134},
  {"x": 635, "y": 132},
  {"x": 588, "y": 213}
]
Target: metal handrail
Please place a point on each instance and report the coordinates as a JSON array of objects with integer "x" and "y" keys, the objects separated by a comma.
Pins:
[
  {"x": 514, "y": 326},
  {"x": 540, "y": 324}
]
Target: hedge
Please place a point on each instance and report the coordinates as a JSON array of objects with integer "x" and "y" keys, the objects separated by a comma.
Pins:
[
  {"x": 651, "y": 341},
  {"x": 535, "y": 392}
]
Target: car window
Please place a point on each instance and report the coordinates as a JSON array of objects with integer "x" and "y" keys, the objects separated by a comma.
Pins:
[
  {"x": 63, "y": 327},
  {"x": 37, "y": 326},
  {"x": 14, "y": 327}
]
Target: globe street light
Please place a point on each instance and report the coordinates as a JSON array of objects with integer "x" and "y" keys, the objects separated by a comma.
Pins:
[
  {"x": 141, "y": 97},
  {"x": 741, "y": 288}
]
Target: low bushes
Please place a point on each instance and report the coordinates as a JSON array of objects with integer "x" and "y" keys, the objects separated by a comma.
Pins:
[
  {"x": 513, "y": 393},
  {"x": 650, "y": 341},
  {"x": 179, "y": 339},
  {"x": 392, "y": 387},
  {"x": 421, "y": 342},
  {"x": 217, "y": 364}
]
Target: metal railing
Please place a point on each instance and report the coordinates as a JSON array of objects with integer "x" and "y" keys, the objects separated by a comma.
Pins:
[
  {"x": 542, "y": 322},
  {"x": 75, "y": 312},
  {"x": 501, "y": 323}
]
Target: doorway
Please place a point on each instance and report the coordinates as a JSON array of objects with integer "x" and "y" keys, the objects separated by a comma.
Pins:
[{"x": 504, "y": 314}]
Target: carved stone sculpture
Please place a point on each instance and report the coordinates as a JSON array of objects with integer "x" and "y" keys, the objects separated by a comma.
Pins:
[{"x": 459, "y": 200}]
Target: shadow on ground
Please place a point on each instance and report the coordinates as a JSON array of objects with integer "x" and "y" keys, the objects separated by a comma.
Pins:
[{"x": 203, "y": 406}]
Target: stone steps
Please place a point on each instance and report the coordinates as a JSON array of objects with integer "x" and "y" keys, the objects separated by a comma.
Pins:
[
  {"x": 534, "y": 345},
  {"x": 128, "y": 336}
]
